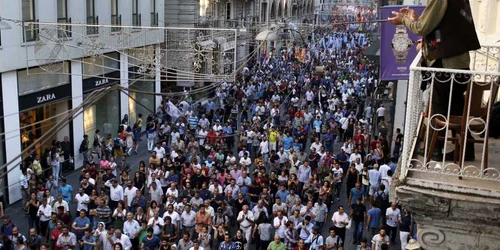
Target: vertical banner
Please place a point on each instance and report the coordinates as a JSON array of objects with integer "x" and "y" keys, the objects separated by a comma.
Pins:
[{"x": 397, "y": 46}]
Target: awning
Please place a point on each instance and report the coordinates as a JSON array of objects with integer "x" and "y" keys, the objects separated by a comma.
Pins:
[
  {"x": 373, "y": 51},
  {"x": 267, "y": 35},
  {"x": 206, "y": 43}
]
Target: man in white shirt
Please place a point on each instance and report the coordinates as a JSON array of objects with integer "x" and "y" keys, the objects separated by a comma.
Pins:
[
  {"x": 203, "y": 122},
  {"x": 393, "y": 216},
  {"x": 202, "y": 135},
  {"x": 129, "y": 194},
  {"x": 82, "y": 200},
  {"x": 160, "y": 151},
  {"x": 131, "y": 228},
  {"x": 279, "y": 224},
  {"x": 355, "y": 155},
  {"x": 60, "y": 203},
  {"x": 44, "y": 212},
  {"x": 379, "y": 239},
  {"x": 245, "y": 219},
  {"x": 264, "y": 149},
  {"x": 174, "y": 216},
  {"x": 383, "y": 170},
  {"x": 118, "y": 237},
  {"x": 172, "y": 191},
  {"x": 156, "y": 223},
  {"x": 380, "y": 113},
  {"x": 116, "y": 193},
  {"x": 316, "y": 145}
]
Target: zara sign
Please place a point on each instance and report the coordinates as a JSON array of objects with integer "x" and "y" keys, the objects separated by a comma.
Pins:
[
  {"x": 101, "y": 81},
  {"x": 44, "y": 97}
]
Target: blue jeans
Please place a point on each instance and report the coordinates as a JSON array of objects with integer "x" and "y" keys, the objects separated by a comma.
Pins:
[
  {"x": 56, "y": 171},
  {"x": 357, "y": 233}
]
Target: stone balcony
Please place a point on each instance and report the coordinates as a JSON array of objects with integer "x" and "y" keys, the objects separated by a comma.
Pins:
[{"x": 455, "y": 202}]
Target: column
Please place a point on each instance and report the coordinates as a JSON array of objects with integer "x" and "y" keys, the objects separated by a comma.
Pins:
[
  {"x": 77, "y": 100},
  {"x": 158, "y": 77},
  {"x": 10, "y": 98},
  {"x": 124, "y": 83}
]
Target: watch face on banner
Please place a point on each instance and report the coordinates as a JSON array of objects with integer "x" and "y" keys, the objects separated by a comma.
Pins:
[{"x": 397, "y": 46}]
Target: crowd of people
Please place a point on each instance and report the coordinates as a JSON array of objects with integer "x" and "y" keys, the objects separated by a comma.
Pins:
[{"x": 260, "y": 166}]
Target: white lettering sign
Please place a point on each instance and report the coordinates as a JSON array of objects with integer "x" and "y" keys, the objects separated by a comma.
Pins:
[
  {"x": 45, "y": 98},
  {"x": 101, "y": 82}
]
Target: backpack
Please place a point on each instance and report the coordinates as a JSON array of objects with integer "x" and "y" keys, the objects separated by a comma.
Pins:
[
  {"x": 117, "y": 143},
  {"x": 382, "y": 200}
]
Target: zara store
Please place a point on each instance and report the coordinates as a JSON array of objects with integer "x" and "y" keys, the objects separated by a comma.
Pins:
[{"x": 98, "y": 73}]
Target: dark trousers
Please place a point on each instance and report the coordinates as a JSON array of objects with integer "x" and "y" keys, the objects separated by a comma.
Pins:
[
  {"x": 44, "y": 225},
  {"x": 341, "y": 233},
  {"x": 391, "y": 232}
]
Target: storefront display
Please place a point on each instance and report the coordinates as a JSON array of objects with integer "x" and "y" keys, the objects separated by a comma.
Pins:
[
  {"x": 105, "y": 113},
  {"x": 42, "y": 105},
  {"x": 140, "y": 103}
]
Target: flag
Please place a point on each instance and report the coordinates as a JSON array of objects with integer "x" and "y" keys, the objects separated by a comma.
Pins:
[{"x": 173, "y": 111}]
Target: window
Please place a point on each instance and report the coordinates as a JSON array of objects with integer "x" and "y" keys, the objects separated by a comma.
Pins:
[
  {"x": 62, "y": 18},
  {"x": 115, "y": 18},
  {"x": 154, "y": 14},
  {"x": 136, "y": 17},
  {"x": 228, "y": 11},
  {"x": 263, "y": 13},
  {"x": 28, "y": 11},
  {"x": 92, "y": 19}
]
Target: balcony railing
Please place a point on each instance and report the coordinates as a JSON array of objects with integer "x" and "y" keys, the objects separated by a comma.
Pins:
[
  {"x": 154, "y": 19},
  {"x": 136, "y": 19},
  {"x": 456, "y": 113},
  {"x": 92, "y": 20},
  {"x": 30, "y": 31},
  {"x": 116, "y": 21},
  {"x": 64, "y": 29}
]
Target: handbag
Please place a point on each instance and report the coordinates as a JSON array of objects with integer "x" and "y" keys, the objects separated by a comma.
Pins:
[{"x": 349, "y": 224}]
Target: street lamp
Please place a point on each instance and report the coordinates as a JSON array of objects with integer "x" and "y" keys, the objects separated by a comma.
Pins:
[{"x": 4, "y": 25}]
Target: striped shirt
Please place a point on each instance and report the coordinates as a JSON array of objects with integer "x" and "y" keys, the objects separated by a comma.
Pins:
[{"x": 104, "y": 214}]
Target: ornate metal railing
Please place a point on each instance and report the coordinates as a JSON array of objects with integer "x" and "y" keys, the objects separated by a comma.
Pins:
[{"x": 453, "y": 111}]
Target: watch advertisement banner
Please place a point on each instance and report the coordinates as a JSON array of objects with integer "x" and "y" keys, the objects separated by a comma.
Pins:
[{"x": 397, "y": 46}]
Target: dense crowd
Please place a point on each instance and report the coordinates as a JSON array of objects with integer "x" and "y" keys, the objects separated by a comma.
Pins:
[{"x": 259, "y": 166}]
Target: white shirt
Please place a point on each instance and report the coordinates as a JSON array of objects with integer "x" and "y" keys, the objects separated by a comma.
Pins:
[
  {"x": 23, "y": 181},
  {"x": 392, "y": 216},
  {"x": 160, "y": 152},
  {"x": 383, "y": 170},
  {"x": 353, "y": 157},
  {"x": 245, "y": 223},
  {"x": 124, "y": 240},
  {"x": 282, "y": 228},
  {"x": 212, "y": 187},
  {"x": 130, "y": 194},
  {"x": 154, "y": 223},
  {"x": 202, "y": 134},
  {"x": 245, "y": 162},
  {"x": 130, "y": 228},
  {"x": 174, "y": 216},
  {"x": 264, "y": 147},
  {"x": 58, "y": 204},
  {"x": 174, "y": 192},
  {"x": 338, "y": 218},
  {"x": 381, "y": 112},
  {"x": 309, "y": 96},
  {"x": 46, "y": 212},
  {"x": 316, "y": 146},
  {"x": 115, "y": 193},
  {"x": 80, "y": 201}
]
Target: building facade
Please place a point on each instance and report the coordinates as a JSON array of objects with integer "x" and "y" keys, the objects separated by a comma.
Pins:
[{"x": 48, "y": 70}]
